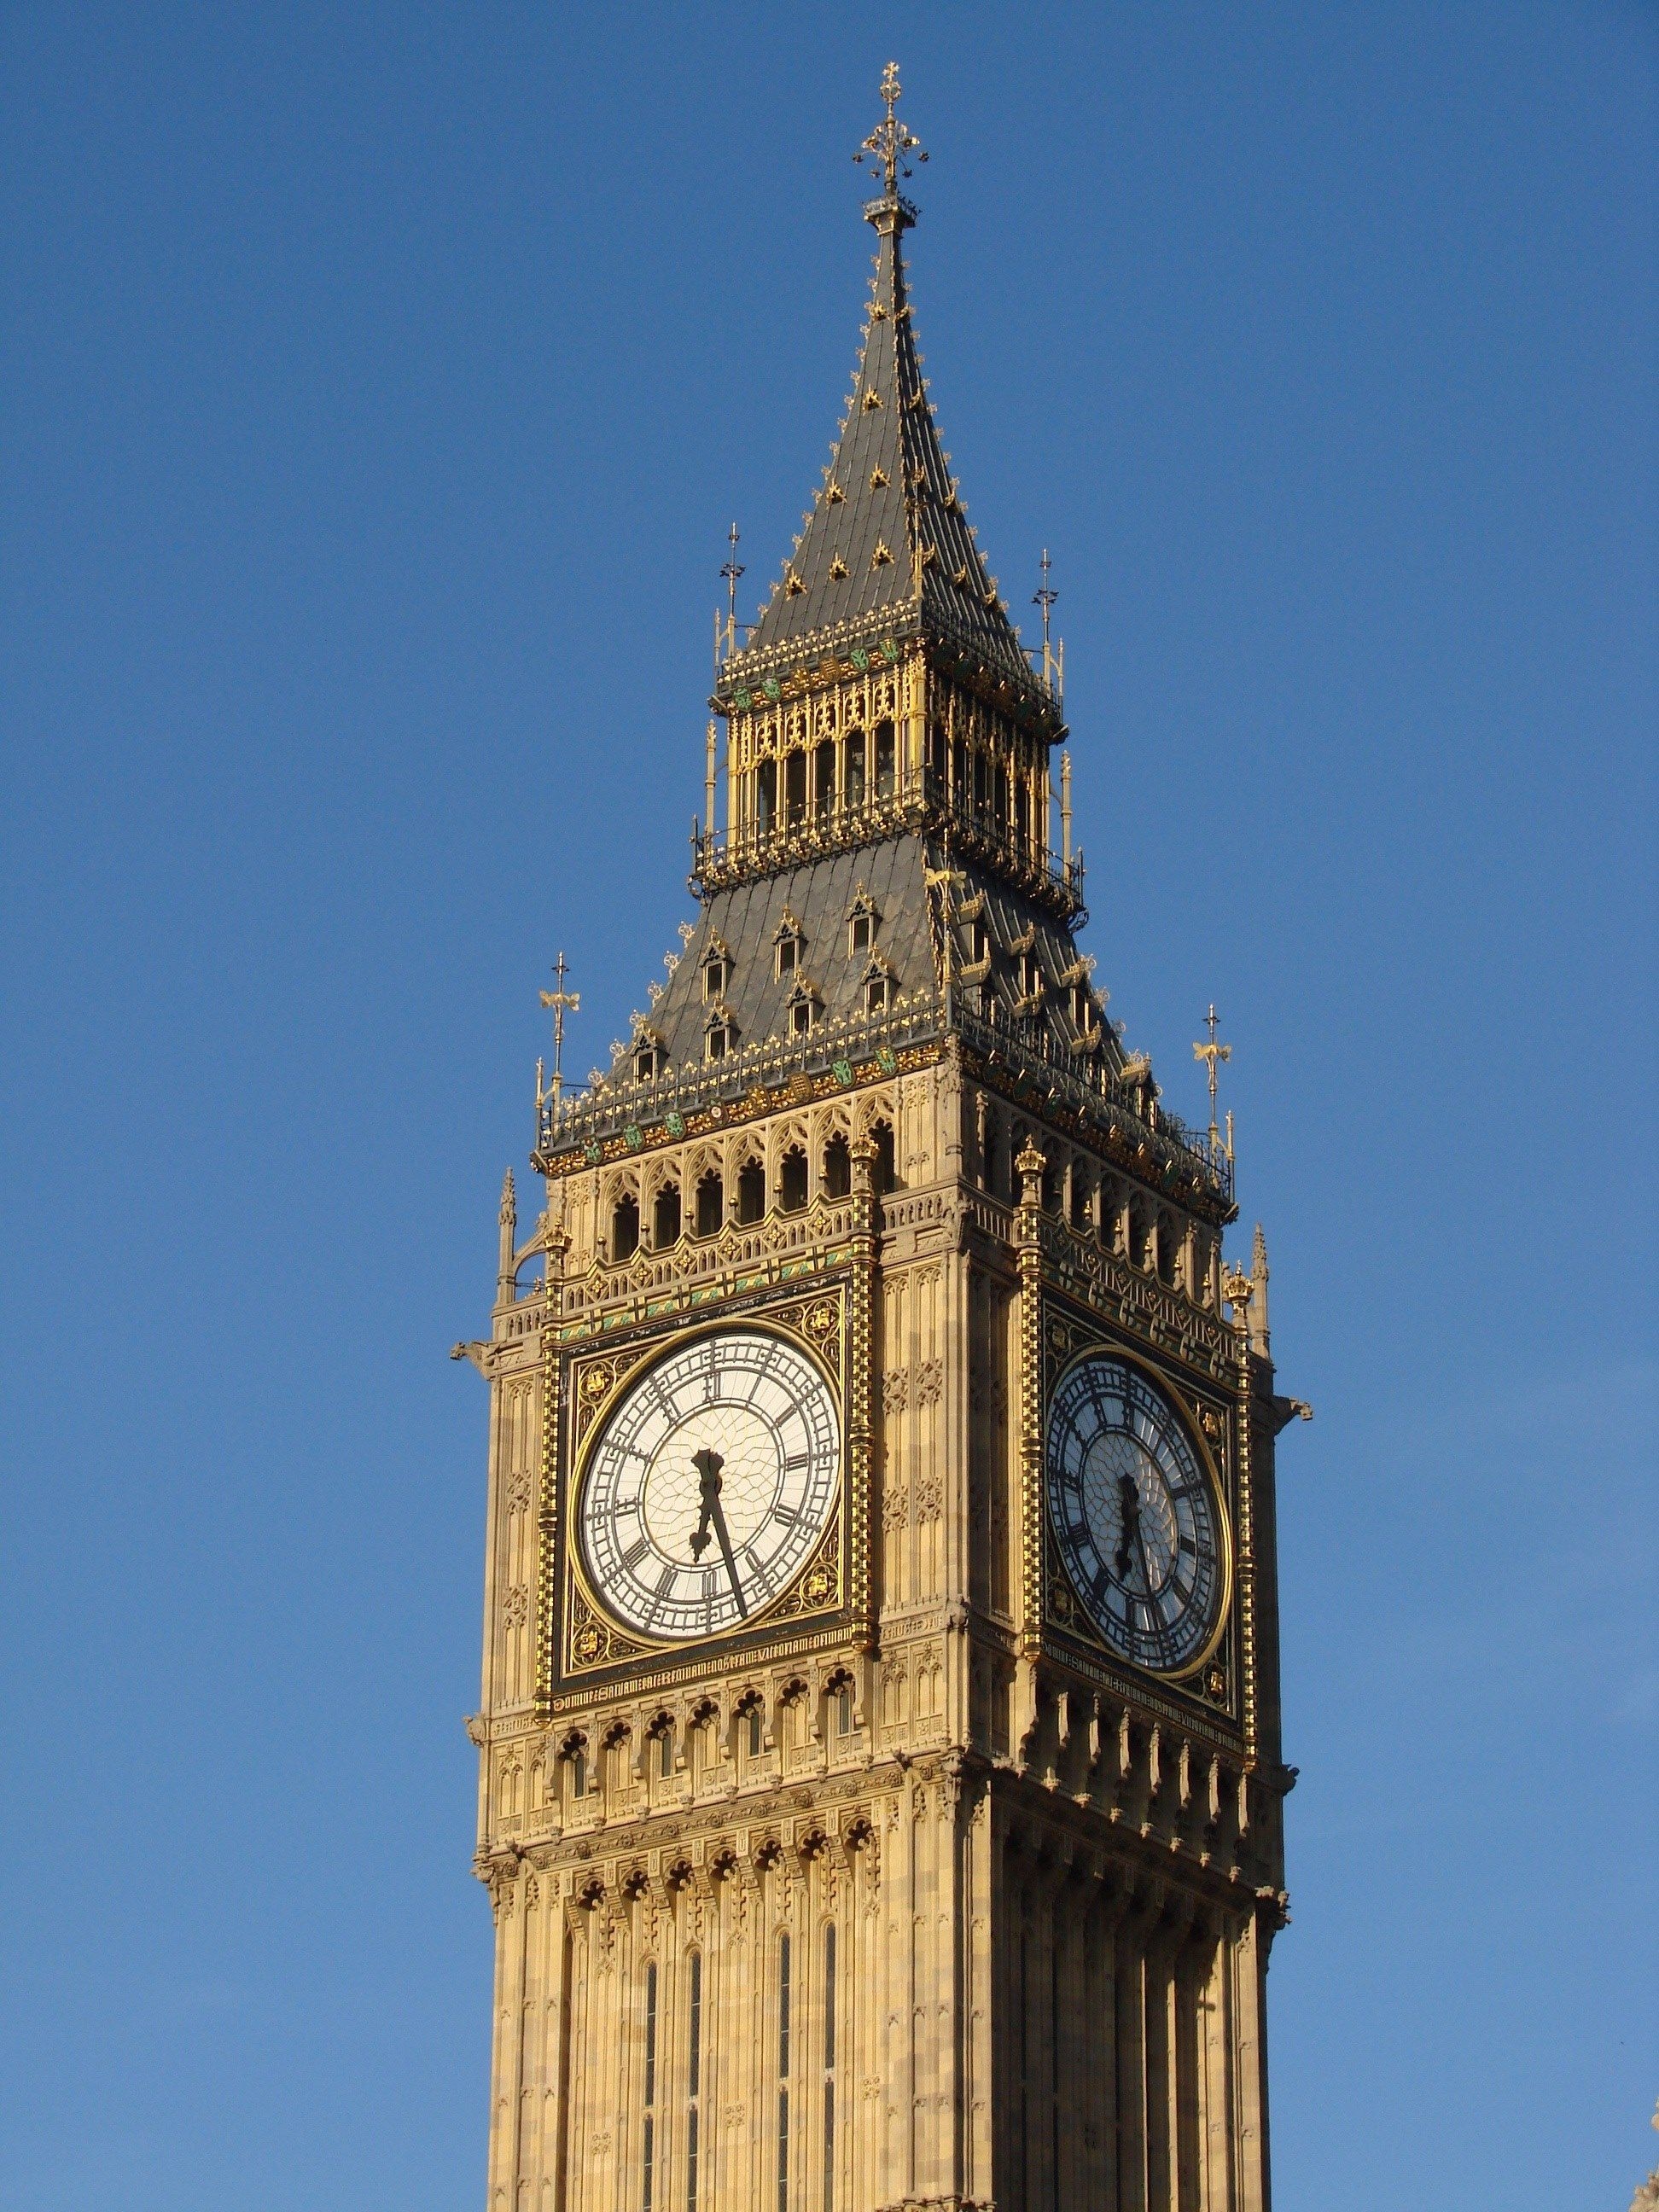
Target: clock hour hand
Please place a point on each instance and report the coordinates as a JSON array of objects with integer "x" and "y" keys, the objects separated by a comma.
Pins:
[
  {"x": 1129, "y": 1492},
  {"x": 708, "y": 1465}
]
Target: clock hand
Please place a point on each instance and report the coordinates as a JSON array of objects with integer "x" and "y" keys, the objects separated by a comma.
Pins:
[
  {"x": 731, "y": 1564},
  {"x": 1129, "y": 1494},
  {"x": 708, "y": 1465}
]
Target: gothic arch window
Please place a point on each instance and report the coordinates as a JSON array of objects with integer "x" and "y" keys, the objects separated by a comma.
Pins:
[
  {"x": 885, "y": 1163},
  {"x": 647, "y": 1060},
  {"x": 852, "y": 782},
  {"x": 792, "y": 1180},
  {"x": 665, "y": 1218},
  {"x": 884, "y": 758},
  {"x": 719, "y": 1038},
  {"x": 837, "y": 1174},
  {"x": 862, "y": 923},
  {"x": 751, "y": 1191},
  {"x": 716, "y": 971},
  {"x": 576, "y": 1766},
  {"x": 794, "y": 789},
  {"x": 878, "y": 992},
  {"x": 625, "y": 1227},
  {"x": 711, "y": 1203},
  {"x": 823, "y": 778},
  {"x": 766, "y": 797}
]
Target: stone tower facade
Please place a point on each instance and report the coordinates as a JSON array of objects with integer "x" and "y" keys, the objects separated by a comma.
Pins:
[{"x": 880, "y": 1773}]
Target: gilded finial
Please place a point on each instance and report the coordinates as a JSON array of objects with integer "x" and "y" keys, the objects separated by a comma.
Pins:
[
  {"x": 562, "y": 1002},
  {"x": 1212, "y": 1054},
  {"x": 891, "y": 143}
]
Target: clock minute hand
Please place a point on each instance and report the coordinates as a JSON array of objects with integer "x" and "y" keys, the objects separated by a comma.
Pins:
[{"x": 708, "y": 1465}]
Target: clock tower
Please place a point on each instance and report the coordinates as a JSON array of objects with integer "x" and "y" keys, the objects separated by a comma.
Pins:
[{"x": 880, "y": 1771}]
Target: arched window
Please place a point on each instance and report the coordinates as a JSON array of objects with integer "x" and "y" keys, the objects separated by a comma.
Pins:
[
  {"x": 794, "y": 789},
  {"x": 577, "y": 1763},
  {"x": 665, "y": 1218},
  {"x": 755, "y": 1726},
  {"x": 792, "y": 1180},
  {"x": 766, "y": 797},
  {"x": 711, "y": 1204},
  {"x": 784, "y": 2001},
  {"x": 886, "y": 1166},
  {"x": 648, "y": 2175},
  {"x": 823, "y": 778},
  {"x": 884, "y": 760},
  {"x": 843, "y": 1709},
  {"x": 751, "y": 1191},
  {"x": 694, "y": 2082},
  {"x": 852, "y": 782},
  {"x": 837, "y": 1168},
  {"x": 625, "y": 1227}
]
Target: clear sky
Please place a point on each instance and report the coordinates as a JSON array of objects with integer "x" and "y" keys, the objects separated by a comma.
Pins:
[{"x": 378, "y": 383}]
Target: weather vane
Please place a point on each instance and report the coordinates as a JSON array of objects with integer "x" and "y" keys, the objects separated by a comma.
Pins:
[
  {"x": 563, "y": 1002},
  {"x": 1213, "y": 1054},
  {"x": 891, "y": 141}
]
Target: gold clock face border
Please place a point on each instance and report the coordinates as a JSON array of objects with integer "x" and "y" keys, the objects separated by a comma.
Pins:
[
  {"x": 1193, "y": 1428},
  {"x": 835, "y": 1526}
]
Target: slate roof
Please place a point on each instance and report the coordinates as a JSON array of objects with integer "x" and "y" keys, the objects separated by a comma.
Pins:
[
  {"x": 887, "y": 536},
  {"x": 819, "y": 897}
]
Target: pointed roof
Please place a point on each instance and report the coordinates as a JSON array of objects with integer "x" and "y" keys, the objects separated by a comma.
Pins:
[{"x": 885, "y": 549}]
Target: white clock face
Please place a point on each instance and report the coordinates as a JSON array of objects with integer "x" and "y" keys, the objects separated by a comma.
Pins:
[
  {"x": 712, "y": 1480},
  {"x": 1135, "y": 1515}
]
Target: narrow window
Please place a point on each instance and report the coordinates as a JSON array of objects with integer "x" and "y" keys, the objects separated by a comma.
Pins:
[
  {"x": 716, "y": 973},
  {"x": 981, "y": 943},
  {"x": 666, "y": 1753},
  {"x": 802, "y": 1016},
  {"x": 844, "y": 1710},
  {"x": 837, "y": 1168},
  {"x": 783, "y": 2074},
  {"x": 1079, "y": 1198},
  {"x": 711, "y": 1205},
  {"x": 578, "y": 1772},
  {"x": 645, "y": 1063},
  {"x": 823, "y": 777},
  {"x": 751, "y": 1192},
  {"x": 794, "y": 788},
  {"x": 766, "y": 796},
  {"x": 717, "y": 1040},
  {"x": 830, "y": 2068},
  {"x": 884, "y": 760},
  {"x": 886, "y": 1166},
  {"x": 625, "y": 1228},
  {"x": 877, "y": 993},
  {"x": 665, "y": 1218},
  {"x": 961, "y": 791},
  {"x": 792, "y": 1182},
  {"x": 693, "y": 2084},
  {"x": 648, "y": 2183},
  {"x": 753, "y": 1731},
  {"x": 1002, "y": 795},
  {"x": 788, "y": 952},
  {"x": 858, "y": 932},
  {"x": 852, "y": 781}
]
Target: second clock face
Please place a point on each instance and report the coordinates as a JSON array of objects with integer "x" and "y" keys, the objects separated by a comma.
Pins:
[
  {"x": 1133, "y": 1515},
  {"x": 713, "y": 1478}
]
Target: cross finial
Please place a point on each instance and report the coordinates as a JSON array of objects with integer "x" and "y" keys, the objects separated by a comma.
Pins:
[
  {"x": 1213, "y": 1054},
  {"x": 891, "y": 141},
  {"x": 563, "y": 1002}
]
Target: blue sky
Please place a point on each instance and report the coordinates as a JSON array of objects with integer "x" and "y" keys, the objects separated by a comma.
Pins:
[{"x": 378, "y": 383}]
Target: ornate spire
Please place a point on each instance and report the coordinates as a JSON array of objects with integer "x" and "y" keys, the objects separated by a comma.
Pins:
[
  {"x": 889, "y": 146},
  {"x": 885, "y": 549}
]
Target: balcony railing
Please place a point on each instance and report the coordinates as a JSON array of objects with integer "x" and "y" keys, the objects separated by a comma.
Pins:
[{"x": 918, "y": 802}]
